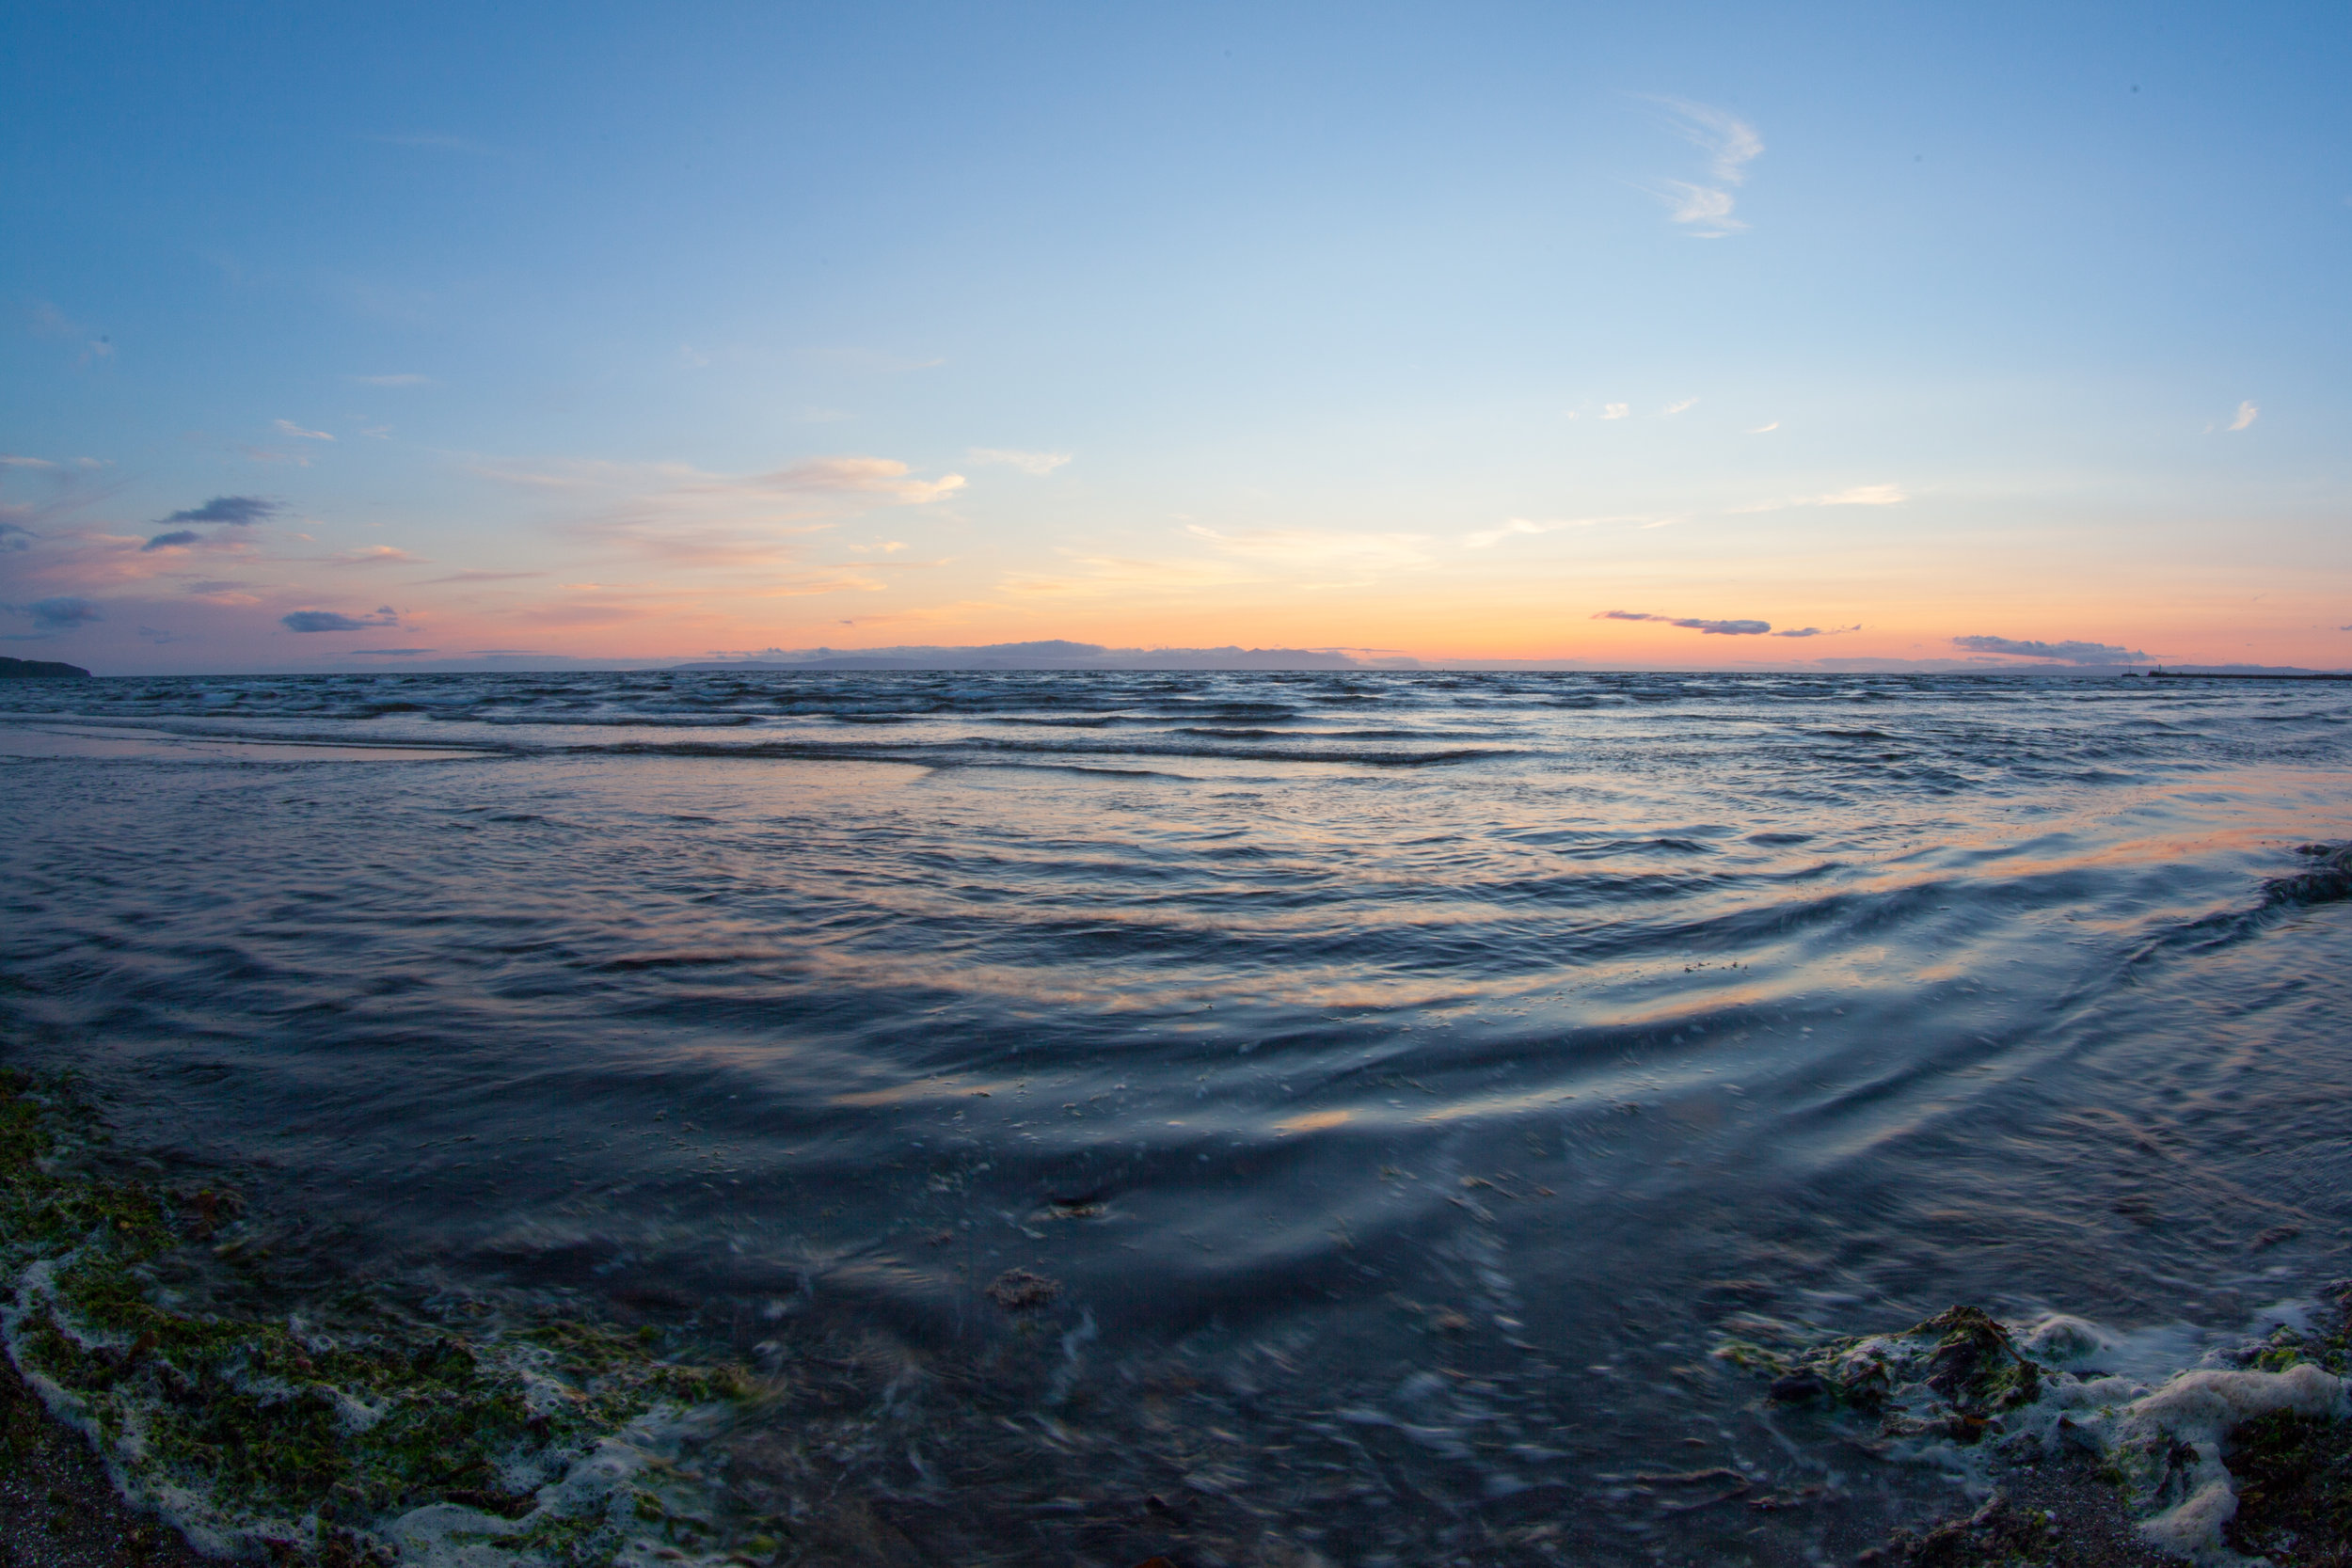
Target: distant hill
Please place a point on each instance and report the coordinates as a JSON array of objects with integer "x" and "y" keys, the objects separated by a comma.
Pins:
[
  {"x": 38, "y": 669},
  {"x": 1057, "y": 653}
]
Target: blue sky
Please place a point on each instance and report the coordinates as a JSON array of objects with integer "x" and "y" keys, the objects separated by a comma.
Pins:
[{"x": 590, "y": 332}]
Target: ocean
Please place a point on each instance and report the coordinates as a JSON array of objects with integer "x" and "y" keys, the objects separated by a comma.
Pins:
[{"x": 1331, "y": 1114}]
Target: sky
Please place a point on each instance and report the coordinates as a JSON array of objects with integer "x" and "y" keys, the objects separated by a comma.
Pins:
[{"x": 425, "y": 336}]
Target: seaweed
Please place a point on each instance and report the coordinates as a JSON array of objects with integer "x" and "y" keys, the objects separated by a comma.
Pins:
[
  {"x": 2329, "y": 882},
  {"x": 311, "y": 1442},
  {"x": 1961, "y": 1356},
  {"x": 2294, "y": 1489},
  {"x": 2249, "y": 1453}
]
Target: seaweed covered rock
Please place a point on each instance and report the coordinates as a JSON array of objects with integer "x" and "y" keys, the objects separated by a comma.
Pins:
[
  {"x": 1954, "y": 1373},
  {"x": 2328, "y": 880},
  {"x": 2249, "y": 1451},
  {"x": 354, "y": 1435}
]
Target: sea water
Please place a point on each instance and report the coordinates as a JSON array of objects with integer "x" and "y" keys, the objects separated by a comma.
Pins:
[{"x": 1286, "y": 1118}]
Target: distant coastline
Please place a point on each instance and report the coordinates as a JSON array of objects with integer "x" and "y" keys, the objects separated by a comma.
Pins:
[{"x": 2196, "y": 674}]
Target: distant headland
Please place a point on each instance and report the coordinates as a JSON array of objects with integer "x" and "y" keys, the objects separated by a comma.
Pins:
[{"x": 38, "y": 669}]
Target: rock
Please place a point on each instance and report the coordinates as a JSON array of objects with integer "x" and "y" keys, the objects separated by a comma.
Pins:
[{"x": 1975, "y": 1366}]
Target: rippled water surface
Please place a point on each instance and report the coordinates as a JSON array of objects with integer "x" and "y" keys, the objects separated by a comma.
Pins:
[{"x": 1241, "y": 1116}]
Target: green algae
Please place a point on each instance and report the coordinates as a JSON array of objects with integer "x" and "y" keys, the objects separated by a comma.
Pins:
[
  {"x": 2294, "y": 1490},
  {"x": 2207, "y": 1464},
  {"x": 310, "y": 1439},
  {"x": 1961, "y": 1358},
  {"x": 2294, "y": 1471}
]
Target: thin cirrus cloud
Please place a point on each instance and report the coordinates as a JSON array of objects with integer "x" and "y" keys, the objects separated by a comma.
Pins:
[
  {"x": 485, "y": 577},
  {"x": 1859, "y": 495},
  {"x": 1680, "y": 406},
  {"x": 1319, "y": 547},
  {"x": 1038, "y": 463},
  {"x": 1515, "y": 526},
  {"x": 1730, "y": 144},
  {"x": 2246, "y": 414},
  {"x": 2069, "y": 652},
  {"x": 1617, "y": 410},
  {"x": 434, "y": 142},
  {"x": 379, "y": 555},
  {"x": 287, "y": 427},
  {"x": 1723, "y": 628},
  {"x": 683, "y": 515}
]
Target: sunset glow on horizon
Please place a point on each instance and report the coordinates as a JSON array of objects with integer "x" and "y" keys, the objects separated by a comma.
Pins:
[{"x": 1692, "y": 340}]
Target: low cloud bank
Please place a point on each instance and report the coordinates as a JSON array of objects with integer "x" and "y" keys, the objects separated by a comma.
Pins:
[
  {"x": 63, "y": 612},
  {"x": 2061, "y": 653}
]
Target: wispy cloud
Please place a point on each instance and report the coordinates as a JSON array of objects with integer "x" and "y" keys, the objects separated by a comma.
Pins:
[
  {"x": 1819, "y": 631},
  {"x": 378, "y": 555},
  {"x": 1039, "y": 462},
  {"x": 485, "y": 577},
  {"x": 1692, "y": 623},
  {"x": 1321, "y": 549},
  {"x": 1489, "y": 538},
  {"x": 1704, "y": 206},
  {"x": 1859, "y": 495},
  {"x": 1680, "y": 405},
  {"x": 436, "y": 142},
  {"x": 2061, "y": 653},
  {"x": 1617, "y": 410},
  {"x": 1730, "y": 145},
  {"x": 1122, "y": 579},
  {"x": 287, "y": 427},
  {"x": 2246, "y": 414},
  {"x": 327, "y": 620},
  {"x": 404, "y": 378},
  {"x": 1765, "y": 429},
  {"x": 47, "y": 321},
  {"x": 684, "y": 516}
]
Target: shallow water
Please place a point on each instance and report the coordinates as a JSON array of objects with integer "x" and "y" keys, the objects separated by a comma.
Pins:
[{"x": 1402, "y": 1079}]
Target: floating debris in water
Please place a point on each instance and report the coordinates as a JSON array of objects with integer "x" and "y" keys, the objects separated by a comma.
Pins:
[{"x": 1019, "y": 1290}]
